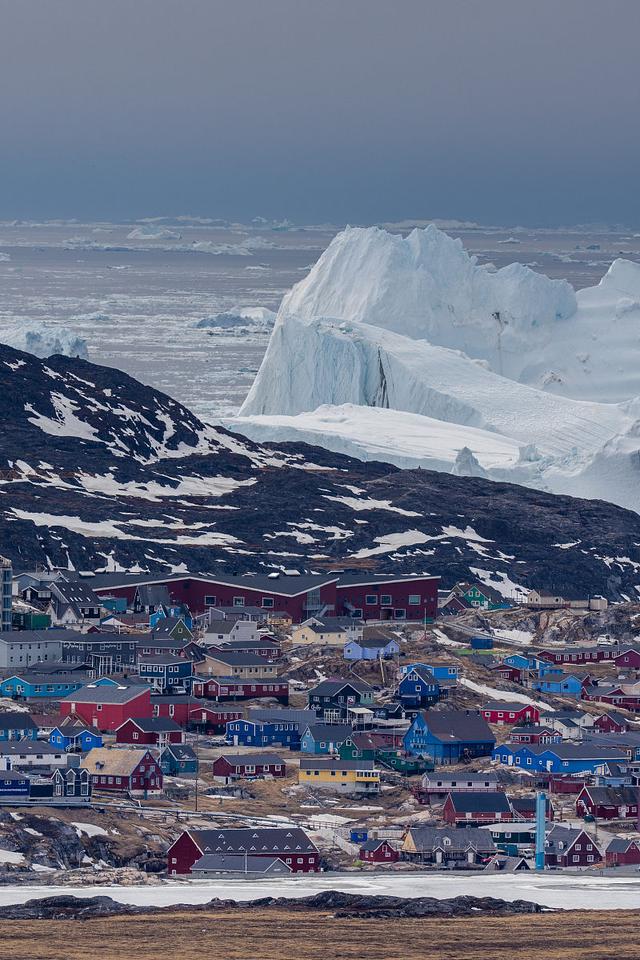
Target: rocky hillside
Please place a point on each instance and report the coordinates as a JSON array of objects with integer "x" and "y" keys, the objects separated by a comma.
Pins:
[{"x": 98, "y": 471}]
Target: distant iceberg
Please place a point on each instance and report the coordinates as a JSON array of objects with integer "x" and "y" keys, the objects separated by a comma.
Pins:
[
  {"x": 416, "y": 327},
  {"x": 45, "y": 341}
]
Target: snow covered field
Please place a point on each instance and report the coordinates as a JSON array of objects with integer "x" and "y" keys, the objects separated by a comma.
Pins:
[{"x": 550, "y": 889}]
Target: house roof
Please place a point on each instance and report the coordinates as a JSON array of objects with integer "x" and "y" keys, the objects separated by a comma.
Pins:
[
  {"x": 507, "y": 706},
  {"x": 233, "y": 658},
  {"x": 237, "y": 864},
  {"x": 162, "y": 659},
  {"x": 462, "y": 725},
  {"x": 164, "y": 642},
  {"x": 379, "y": 579},
  {"x": 373, "y": 844},
  {"x": 262, "y": 643},
  {"x": 251, "y": 759},
  {"x": 182, "y": 698},
  {"x": 462, "y": 777},
  {"x": 15, "y": 720},
  {"x": 332, "y": 624},
  {"x": 75, "y": 592},
  {"x": 154, "y": 725},
  {"x": 329, "y": 688},
  {"x": 18, "y": 747},
  {"x": 564, "y": 835},
  {"x": 221, "y": 627},
  {"x": 471, "y": 801},
  {"x": 428, "y": 838},
  {"x": 613, "y": 796},
  {"x": 621, "y": 844},
  {"x": 259, "y": 840},
  {"x": 332, "y": 763},
  {"x": 153, "y": 594},
  {"x": 106, "y": 694},
  {"x": 284, "y": 715},
  {"x": 280, "y": 584},
  {"x": 374, "y": 643},
  {"x": 118, "y": 762},
  {"x": 40, "y": 636},
  {"x": 329, "y": 731},
  {"x": 181, "y": 751},
  {"x": 422, "y": 672}
]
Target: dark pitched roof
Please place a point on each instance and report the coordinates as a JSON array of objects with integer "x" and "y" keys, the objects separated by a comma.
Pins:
[
  {"x": 281, "y": 715},
  {"x": 40, "y": 636},
  {"x": 237, "y": 864},
  {"x": 181, "y": 751},
  {"x": 258, "y": 840},
  {"x": 234, "y": 659},
  {"x": 566, "y": 836},
  {"x": 427, "y": 838},
  {"x": 461, "y": 725},
  {"x": 372, "y": 844},
  {"x": 329, "y": 688},
  {"x": 617, "y": 845},
  {"x": 471, "y": 801},
  {"x": 374, "y": 643},
  {"x": 76, "y": 593},
  {"x": 162, "y": 659},
  {"x": 251, "y": 759},
  {"x": 155, "y": 725},
  {"x": 613, "y": 796},
  {"x": 281, "y": 584},
  {"x": 422, "y": 672},
  {"x": 15, "y": 720},
  {"x": 507, "y": 706},
  {"x": 153, "y": 594},
  {"x": 329, "y": 731}
]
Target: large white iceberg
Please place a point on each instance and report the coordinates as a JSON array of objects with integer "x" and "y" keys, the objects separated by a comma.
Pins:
[
  {"x": 416, "y": 327},
  {"x": 45, "y": 341}
]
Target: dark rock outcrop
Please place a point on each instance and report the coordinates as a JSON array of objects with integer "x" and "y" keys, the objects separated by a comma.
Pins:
[
  {"x": 97, "y": 469},
  {"x": 342, "y": 905}
]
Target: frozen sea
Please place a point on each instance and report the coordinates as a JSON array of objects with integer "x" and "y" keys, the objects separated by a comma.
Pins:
[
  {"x": 136, "y": 291},
  {"x": 551, "y": 890}
]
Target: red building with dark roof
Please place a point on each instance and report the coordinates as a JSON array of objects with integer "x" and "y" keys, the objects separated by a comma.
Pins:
[
  {"x": 107, "y": 707},
  {"x": 289, "y": 844}
]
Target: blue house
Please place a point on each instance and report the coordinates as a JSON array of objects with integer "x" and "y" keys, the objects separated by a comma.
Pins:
[
  {"x": 166, "y": 672},
  {"x": 17, "y": 726},
  {"x": 373, "y": 648},
  {"x": 178, "y": 759},
  {"x": 14, "y": 784},
  {"x": 564, "y": 684},
  {"x": 533, "y": 664},
  {"x": 449, "y": 736},
  {"x": 171, "y": 612},
  {"x": 39, "y": 686},
  {"x": 324, "y": 738},
  {"x": 73, "y": 736},
  {"x": 558, "y": 757},
  {"x": 270, "y": 727},
  {"x": 418, "y": 688},
  {"x": 438, "y": 669}
]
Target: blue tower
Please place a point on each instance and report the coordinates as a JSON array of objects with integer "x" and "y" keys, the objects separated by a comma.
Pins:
[{"x": 541, "y": 814}]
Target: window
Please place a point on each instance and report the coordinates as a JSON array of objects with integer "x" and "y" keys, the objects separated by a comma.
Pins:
[
  {"x": 357, "y": 613},
  {"x": 385, "y": 599},
  {"x": 238, "y": 601},
  {"x": 209, "y": 601},
  {"x": 98, "y": 706},
  {"x": 400, "y": 614},
  {"x": 267, "y": 601},
  {"x": 370, "y": 599},
  {"x": 576, "y": 859},
  {"x": 136, "y": 736},
  {"x": 414, "y": 600}
]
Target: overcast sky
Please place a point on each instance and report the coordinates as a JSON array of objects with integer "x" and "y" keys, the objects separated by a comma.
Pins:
[{"x": 501, "y": 111}]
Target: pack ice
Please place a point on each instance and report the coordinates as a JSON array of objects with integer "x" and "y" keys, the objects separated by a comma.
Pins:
[{"x": 406, "y": 350}]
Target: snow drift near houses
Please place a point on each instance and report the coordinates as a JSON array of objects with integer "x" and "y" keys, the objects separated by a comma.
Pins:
[{"x": 415, "y": 326}]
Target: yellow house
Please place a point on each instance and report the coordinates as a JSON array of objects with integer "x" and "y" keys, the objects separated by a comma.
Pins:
[
  {"x": 329, "y": 632},
  {"x": 242, "y": 666},
  {"x": 343, "y": 776}
]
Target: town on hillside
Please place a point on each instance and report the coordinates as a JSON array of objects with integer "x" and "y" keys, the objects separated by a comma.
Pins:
[{"x": 159, "y": 726}]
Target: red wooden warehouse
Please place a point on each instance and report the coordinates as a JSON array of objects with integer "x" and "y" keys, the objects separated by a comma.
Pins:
[
  {"x": 152, "y": 732},
  {"x": 510, "y": 712},
  {"x": 289, "y": 844},
  {"x": 378, "y": 851},
  {"x": 241, "y": 766},
  {"x": 227, "y": 689}
]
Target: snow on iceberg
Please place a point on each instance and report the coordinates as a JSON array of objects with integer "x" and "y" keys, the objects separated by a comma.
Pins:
[
  {"x": 45, "y": 341},
  {"x": 414, "y": 326}
]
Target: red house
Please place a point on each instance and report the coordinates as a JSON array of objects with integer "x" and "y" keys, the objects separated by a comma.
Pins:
[
  {"x": 289, "y": 844},
  {"x": 107, "y": 707},
  {"x": 378, "y": 851},
  {"x": 507, "y": 672},
  {"x": 212, "y": 719},
  {"x": 622, "y": 852},
  {"x": 152, "y": 732},
  {"x": 628, "y": 658},
  {"x": 510, "y": 712},
  {"x": 227, "y": 688},
  {"x": 524, "y": 808},
  {"x": 241, "y": 766},
  {"x": 611, "y": 722},
  {"x": 473, "y": 807},
  {"x": 578, "y": 655},
  {"x": 570, "y": 847},
  {"x": 608, "y": 803},
  {"x": 175, "y": 708},
  {"x": 133, "y": 772}
]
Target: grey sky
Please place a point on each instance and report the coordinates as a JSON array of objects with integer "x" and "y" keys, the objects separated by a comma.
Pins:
[{"x": 504, "y": 111}]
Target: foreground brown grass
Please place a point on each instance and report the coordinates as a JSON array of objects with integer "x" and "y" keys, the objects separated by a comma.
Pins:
[{"x": 285, "y": 935}]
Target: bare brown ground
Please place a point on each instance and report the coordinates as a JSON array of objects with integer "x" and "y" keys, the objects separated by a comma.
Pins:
[{"x": 286, "y": 935}]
